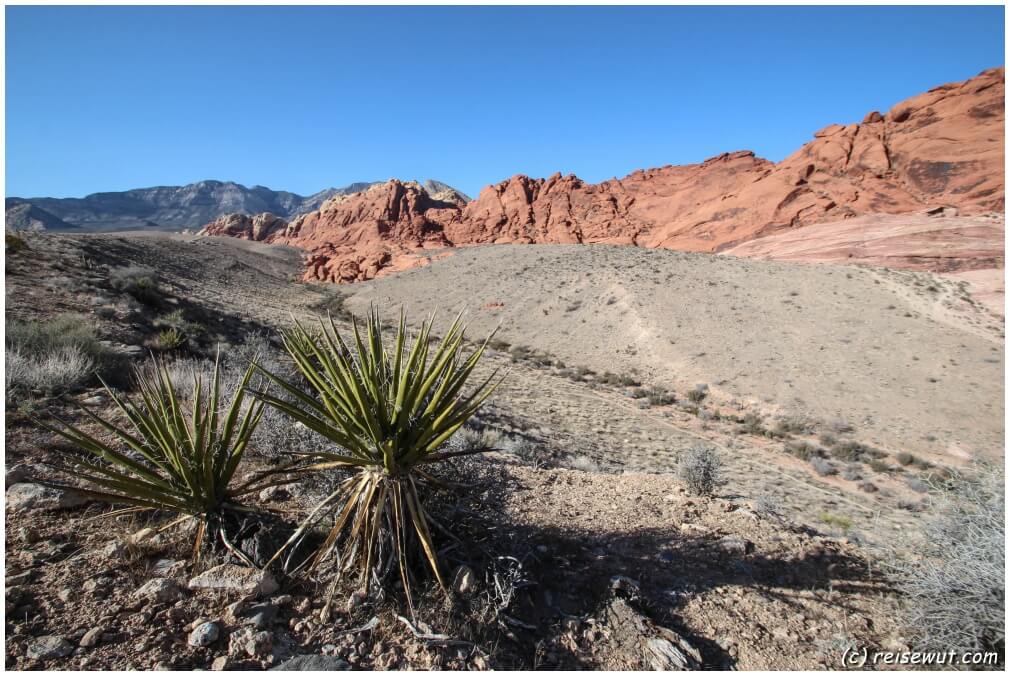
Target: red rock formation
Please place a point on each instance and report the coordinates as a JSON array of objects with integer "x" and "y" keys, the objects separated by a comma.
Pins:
[{"x": 944, "y": 147}]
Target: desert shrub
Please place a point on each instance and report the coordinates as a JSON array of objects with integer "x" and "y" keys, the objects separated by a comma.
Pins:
[
  {"x": 954, "y": 588},
  {"x": 698, "y": 394},
  {"x": 768, "y": 507},
  {"x": 139, "y": 282},
  {"x": 659, "y": 396},
  {"x": 168, "y": 339},
  {"x": 917, "y": 485},
  {"x": 852, "y": 473},
  {"x": 582, "y": 463},
  {"x": 609, "y": 378},
  {"x": 628, "y": 381},
  {"x": 175, "y": 459},
  {"x": 387, "y": 411},
  {"x": 637, "y": 393},
  {"x": 794, "y": 424},
  {"x": 823, "y": 467},
  {"x": 804, "y": 450},
  {"x": 838, "y": 521},
  {"x": 60, "y": 370},
  {"x": 520, "y": 352},
  {"x": 52, "y": 356},
  {"x": 849, "y": 451},
  {"x": 701, "y": 469},
  {"x": 14, "y": 243},
  {"x": 881, "y": 467},
  {"x": 904, "y": 458},
  {"x": 753, "y": 424},
  {"x": 472, "y": 440}
]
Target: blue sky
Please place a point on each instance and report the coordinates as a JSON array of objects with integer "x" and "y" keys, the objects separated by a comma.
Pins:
[{"x": 305, "y": 98}]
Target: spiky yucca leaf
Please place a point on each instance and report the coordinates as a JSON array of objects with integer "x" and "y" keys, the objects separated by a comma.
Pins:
[
  {"x": 387, "y": 409},
  {"x": 176, "y": 458}
]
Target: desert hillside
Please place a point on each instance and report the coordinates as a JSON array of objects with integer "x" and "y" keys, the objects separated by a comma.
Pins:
[
  {"x": 828, "y": 416},
  {"x": 907, "y": 358},
  {"x": 943, "y": 148}
]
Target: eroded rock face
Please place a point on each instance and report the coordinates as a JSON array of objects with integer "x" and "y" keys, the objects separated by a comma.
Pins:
[{"x": 941, "y": 148}]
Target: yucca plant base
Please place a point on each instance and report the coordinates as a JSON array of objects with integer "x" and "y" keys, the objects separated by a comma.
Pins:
[
  {"x": 387, "y": 411},
  {"x": 175, "y": 459}
]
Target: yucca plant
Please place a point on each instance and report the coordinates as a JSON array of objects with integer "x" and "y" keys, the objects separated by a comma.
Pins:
[
  {"x": 179, "y": 459},
  {"x": 387, "y": 410}
]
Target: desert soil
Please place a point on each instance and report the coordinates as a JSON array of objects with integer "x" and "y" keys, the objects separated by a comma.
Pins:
[{"x": 904, "y": 361}]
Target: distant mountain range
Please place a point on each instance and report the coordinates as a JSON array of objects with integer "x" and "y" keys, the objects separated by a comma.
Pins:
[{"x": 169, "y": 207}]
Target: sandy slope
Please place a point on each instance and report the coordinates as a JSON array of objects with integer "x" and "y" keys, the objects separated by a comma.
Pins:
[{"x": 904, "y": 357}]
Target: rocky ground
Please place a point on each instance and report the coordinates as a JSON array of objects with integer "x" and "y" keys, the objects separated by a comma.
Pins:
[{"x": 586, "y": 550}]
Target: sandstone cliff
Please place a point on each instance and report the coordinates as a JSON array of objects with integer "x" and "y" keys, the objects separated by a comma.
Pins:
[{"x": 941, "y": 148}]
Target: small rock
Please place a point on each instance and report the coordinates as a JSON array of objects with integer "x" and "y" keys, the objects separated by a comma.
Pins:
[
  {"x": 204, "y": 635},
  {"x": 464, "y": 581},
  {"x": 159, "y": 589},
  {"x": 261, "y": 615},
  {"x": 219, "y": 663},
  {"x": 274, "y": 493},
  {"x": 250, "y": 642},
  {"x": 114, "y": 550},
  {"x": 281, "y": 600},
  {"x": 16, "y": 475},
  {"x": 49, "y": 647},
  {"x": 355, "y": 599},
  {"x": 24, "y": 496},
  {"x": 313, "y": 663},
  {"x": 230, "y": 576},
  {"x": 92, "y": 637},
  {"x": 234, "y": 611},
  {"x": 65, "y": 594},
  {"x": 734, "y": 544},
  {"x": 625, "y": 584},
  {"x": 167, "y": 567}
]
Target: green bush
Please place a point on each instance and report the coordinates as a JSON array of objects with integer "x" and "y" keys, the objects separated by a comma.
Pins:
[
  {"x": 139, "y": 282},
  {"x": 174, "y": 459},
  {"x": 388, "y": 411}
]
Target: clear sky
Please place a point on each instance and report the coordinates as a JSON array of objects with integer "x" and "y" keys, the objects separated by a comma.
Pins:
[{"x": 300, "y": 99}]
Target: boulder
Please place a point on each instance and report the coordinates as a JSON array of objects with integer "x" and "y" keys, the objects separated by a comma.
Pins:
[
  {"x": 24, "y": 496},
  {"x": 313, "y": 663},
  {"x": 228, "y": 576}
]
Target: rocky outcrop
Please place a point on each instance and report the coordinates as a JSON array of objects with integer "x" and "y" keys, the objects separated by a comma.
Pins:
[
  {"x": 352, "y": 237},
  {"x": 257, "y": 228},
  {"x": 943, "y": 148}
]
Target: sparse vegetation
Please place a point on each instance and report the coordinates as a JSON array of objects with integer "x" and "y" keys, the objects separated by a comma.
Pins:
[
  {"x": 842, "y": 523},
  {"x": 804, "y": 450},
  {"x": 823, "y": 467},
  {"x": 168, "y": 339},
  {"x": 698, "y": 394},
  {"x": 139, "y": 282},
  {"x": 14, "y": 243},
  {"x": 701, "y": 470},
  {"x": 50, "y": 357},
  {"x": 955, "y": 590}
]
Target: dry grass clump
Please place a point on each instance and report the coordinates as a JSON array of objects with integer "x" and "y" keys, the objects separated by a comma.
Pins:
[
  {"x": 700, "y": 467},
  {"x": 955, "y": 588},
  {"x": 50, "y": 357}
]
